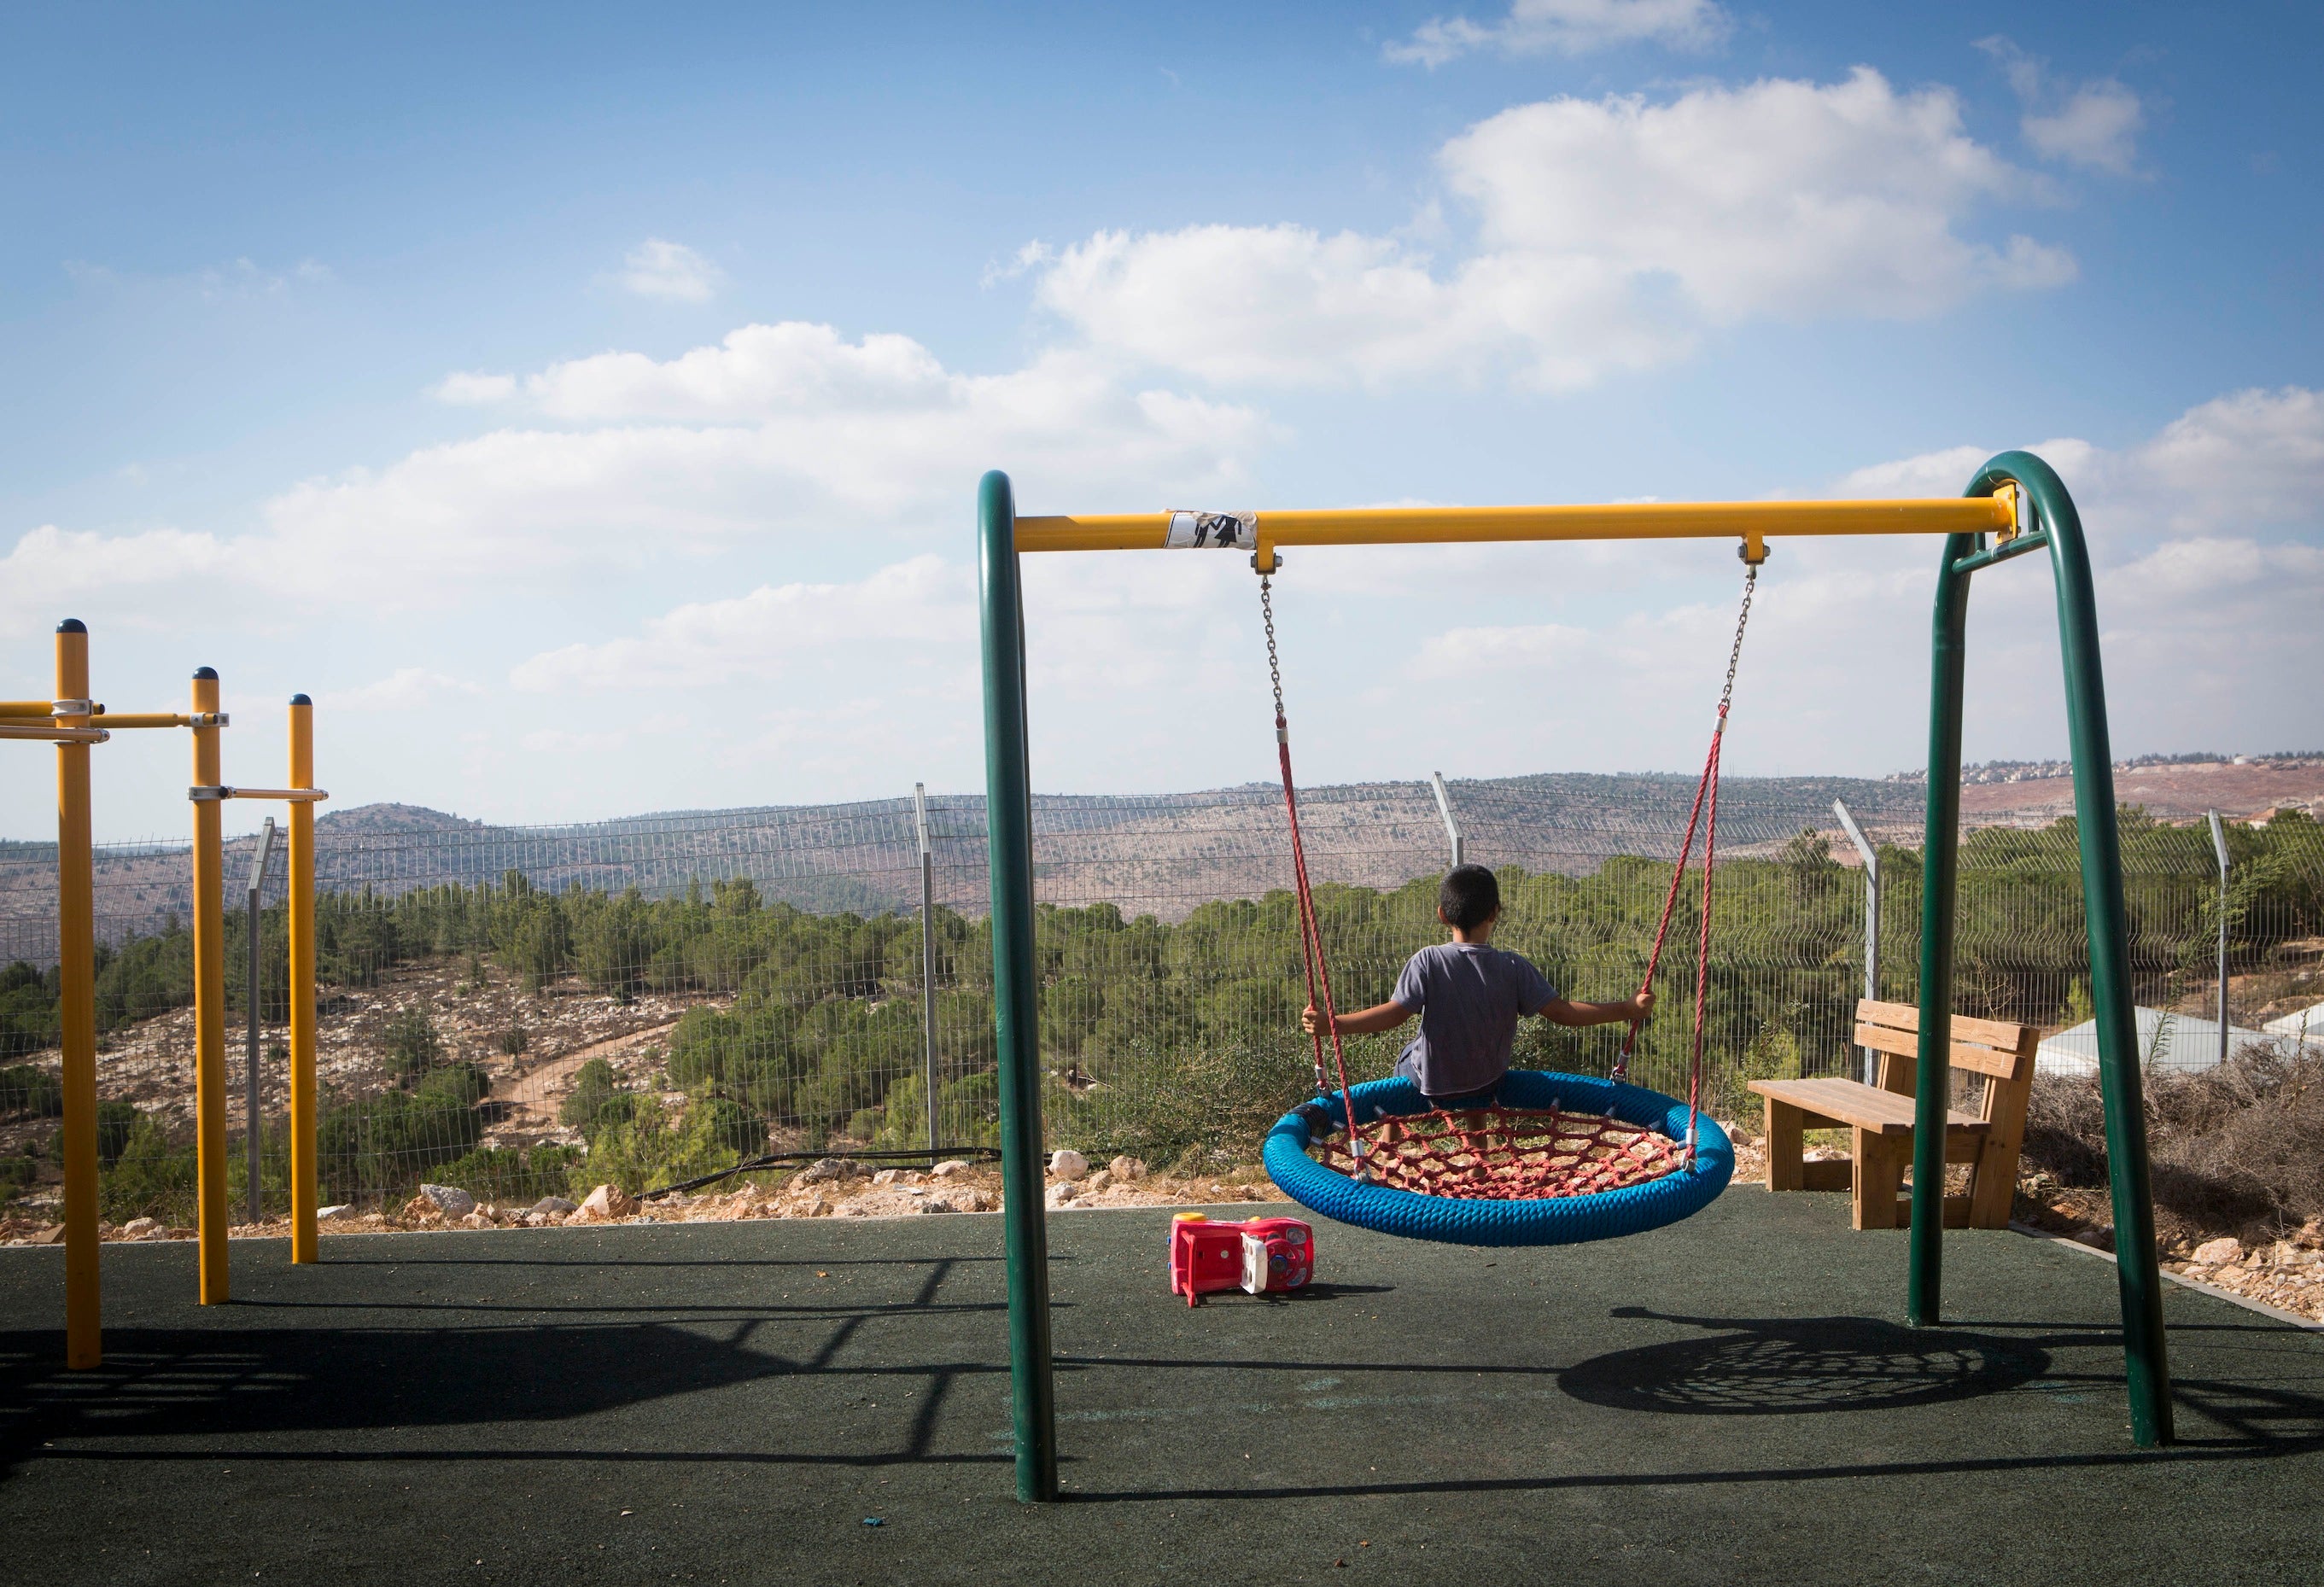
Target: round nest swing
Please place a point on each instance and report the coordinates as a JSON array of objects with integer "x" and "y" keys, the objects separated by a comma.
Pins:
[{"x": 1554, "y": 1159}]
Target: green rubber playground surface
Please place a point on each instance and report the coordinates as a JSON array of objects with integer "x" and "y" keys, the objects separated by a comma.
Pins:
[{"x": 1730, "y": 1399}]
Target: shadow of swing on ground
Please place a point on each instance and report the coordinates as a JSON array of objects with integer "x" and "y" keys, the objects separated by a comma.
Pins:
[{"x": 1792, "y": 1366}]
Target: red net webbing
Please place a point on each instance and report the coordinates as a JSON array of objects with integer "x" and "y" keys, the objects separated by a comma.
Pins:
[{"x": 1506, "y": 1154}]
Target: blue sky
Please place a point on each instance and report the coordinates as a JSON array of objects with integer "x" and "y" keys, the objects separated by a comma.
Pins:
[{"x": 584, "y": 404}]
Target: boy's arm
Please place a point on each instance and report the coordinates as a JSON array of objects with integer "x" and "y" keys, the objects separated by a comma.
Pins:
[
  {"x": 1560, "y": 1010},
  {"x": 1385, "y": 1016}
]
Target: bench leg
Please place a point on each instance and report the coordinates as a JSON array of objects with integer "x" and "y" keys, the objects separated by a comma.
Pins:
[
  {"x": 1880, "y": 1176},
  {"x": 1992, "y": 1186},
  {"x": 1785, "y": 1128}
]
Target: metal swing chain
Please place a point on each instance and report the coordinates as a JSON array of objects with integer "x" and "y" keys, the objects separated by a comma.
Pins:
[
  {"x": 1735, "y": 654},
  {"x": 1706, "y": 784},
  {"x": 1274, "y": 664}
]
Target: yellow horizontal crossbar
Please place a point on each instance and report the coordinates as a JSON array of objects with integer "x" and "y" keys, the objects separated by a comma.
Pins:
[
  {"x": 1631, "y": 521},
  {"x": 43, "y": 732},
  {"x": 25, "y": 707},
  {"x": 296, "y": 795}
]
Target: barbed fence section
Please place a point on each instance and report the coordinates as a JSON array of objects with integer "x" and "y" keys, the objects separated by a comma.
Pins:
[{"x": 523, "y": 1012}]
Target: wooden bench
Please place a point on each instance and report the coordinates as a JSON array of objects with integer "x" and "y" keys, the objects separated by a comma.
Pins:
[{"x": 1999, "y": 1055}]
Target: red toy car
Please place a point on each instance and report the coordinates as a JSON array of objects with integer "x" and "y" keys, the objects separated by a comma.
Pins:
[{"x": 1264, "y": 1255}]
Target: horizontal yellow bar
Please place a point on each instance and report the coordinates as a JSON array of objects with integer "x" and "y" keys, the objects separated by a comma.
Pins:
[
  {"x": 25, "y": 707},
  {"x": 296, "y": 795},
  {"x": 54, "y": 735},
  {"x": 1630, "y": 520},
  {"x": 147, "y": 719}
]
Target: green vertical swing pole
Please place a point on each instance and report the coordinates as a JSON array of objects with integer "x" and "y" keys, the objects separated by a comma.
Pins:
[
  {"x": 1008, "y": 827},
  {"x": 1940, "y": 853},
  {"x": 2146, "y": 1356},
  {"x": 2146, "y": 1362}
]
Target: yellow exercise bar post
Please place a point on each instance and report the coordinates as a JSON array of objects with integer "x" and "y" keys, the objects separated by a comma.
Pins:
[
  {"x": 1263, "y": 533},
  {"x": 305, "y": 1244},
  {"x": 77, "y": 999},
  {"x": 209, "y": 989}
]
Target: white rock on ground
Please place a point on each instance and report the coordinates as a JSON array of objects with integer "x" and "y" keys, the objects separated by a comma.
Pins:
[
  {"x": 609, "y": 1201},
  {"x": 340, "y": 1211},
  {"x": 1127, "y": 1167},
  {"x": 824, "y": 1169},
  {"x": 451, "y": 1200},
  {"x": 1068, "y": 1164},
  {"x": 2225, "y": 1249},
  {"x": 948, "y": 1168},
  {"x": 143, "y": 1228}
]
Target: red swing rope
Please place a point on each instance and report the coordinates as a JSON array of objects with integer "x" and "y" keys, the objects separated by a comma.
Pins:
[
  {"x": 1498, "y": 1153},
  {"x": 1311, "y": 933}
]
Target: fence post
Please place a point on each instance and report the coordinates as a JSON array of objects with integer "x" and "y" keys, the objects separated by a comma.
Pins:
[
  {"x": 250, "y": 983},
  {"x": 1871, "y": 921},
  {"x": 2219, "y": 847},
  {"x": 1016, "y": 1001},
  {"x": 300, "y": 880},
  {"x": 927, "y": 957},
  {"x": 1445, "y": 809}
]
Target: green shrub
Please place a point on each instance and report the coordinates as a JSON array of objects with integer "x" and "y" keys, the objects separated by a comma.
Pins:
[
  {"x": 151, "y": 1178},
  {"x": 511, "y": 1175},
  {"x": 26, "y": 1088},
  {"x": 651, "y": 1148},
  {"x": 412, "y": 1044}
]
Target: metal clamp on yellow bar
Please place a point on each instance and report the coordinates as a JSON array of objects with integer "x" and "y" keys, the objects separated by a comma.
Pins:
[
  {"x": 201, "y": 794},
  {"x": 44, "y": 734},
  {"x": 165, "y": 719}
]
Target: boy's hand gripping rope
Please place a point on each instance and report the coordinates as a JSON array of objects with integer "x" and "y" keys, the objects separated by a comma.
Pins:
[
  {"x": 1311, "y": 935},
  {"x": 1706, "y": 793}
]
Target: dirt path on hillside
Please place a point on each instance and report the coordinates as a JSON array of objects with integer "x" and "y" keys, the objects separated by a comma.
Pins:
[{"x": 532, "y": 1096}]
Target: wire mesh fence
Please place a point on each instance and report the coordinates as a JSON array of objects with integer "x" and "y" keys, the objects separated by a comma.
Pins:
[{"x": 529, "y": 1011}]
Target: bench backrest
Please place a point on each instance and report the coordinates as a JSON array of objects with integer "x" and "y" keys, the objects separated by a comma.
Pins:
[{"x": 2000, "y": 1053}]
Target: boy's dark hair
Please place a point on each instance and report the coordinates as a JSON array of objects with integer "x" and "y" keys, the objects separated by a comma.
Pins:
[{"x": 1468, "y": 897}]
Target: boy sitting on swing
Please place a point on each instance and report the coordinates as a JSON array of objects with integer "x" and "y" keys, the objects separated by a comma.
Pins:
[{"x": 1469, "y": 996}]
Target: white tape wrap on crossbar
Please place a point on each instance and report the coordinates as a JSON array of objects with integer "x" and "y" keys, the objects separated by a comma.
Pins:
[{"x": 1232, "y": 531}]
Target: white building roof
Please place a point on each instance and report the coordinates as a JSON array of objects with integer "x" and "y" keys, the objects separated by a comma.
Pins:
[
  {"x": 2189, "y": 1043},
  {"x": 2305, "y": 1026}
]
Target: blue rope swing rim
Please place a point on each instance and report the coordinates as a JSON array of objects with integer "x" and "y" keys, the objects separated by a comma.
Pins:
[{"x": 1554, "y": 1221}]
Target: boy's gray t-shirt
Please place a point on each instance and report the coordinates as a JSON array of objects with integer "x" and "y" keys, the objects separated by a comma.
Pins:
[{"x": 1470, "y": 997}]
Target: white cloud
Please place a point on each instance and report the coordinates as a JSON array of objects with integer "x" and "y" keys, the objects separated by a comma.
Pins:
[
  {"x": 770, "y": 635},
  {"x": 465, "y": 388},
  {"x": 672, "y": 271},
  {"x": 1566, "y": 27},
  {"x": 2096, "y": 124},
  {"x": 133, "y": 575},
  {"x": 407, "y": 689},
  {"x": 777, "y": 430},
  {"x": 1610, "y": 234}
]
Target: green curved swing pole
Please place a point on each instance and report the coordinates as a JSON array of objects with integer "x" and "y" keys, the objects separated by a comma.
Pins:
[
  {"x": 2058, "y": 526},
  {"x": 1008, "y": 830}
]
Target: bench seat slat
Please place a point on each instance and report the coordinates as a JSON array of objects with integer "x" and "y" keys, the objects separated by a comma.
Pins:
[{"x": 1852, "y": 1102}]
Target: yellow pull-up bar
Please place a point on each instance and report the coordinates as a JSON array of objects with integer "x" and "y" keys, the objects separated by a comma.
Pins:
[{"x": 1749, "y": 521}]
